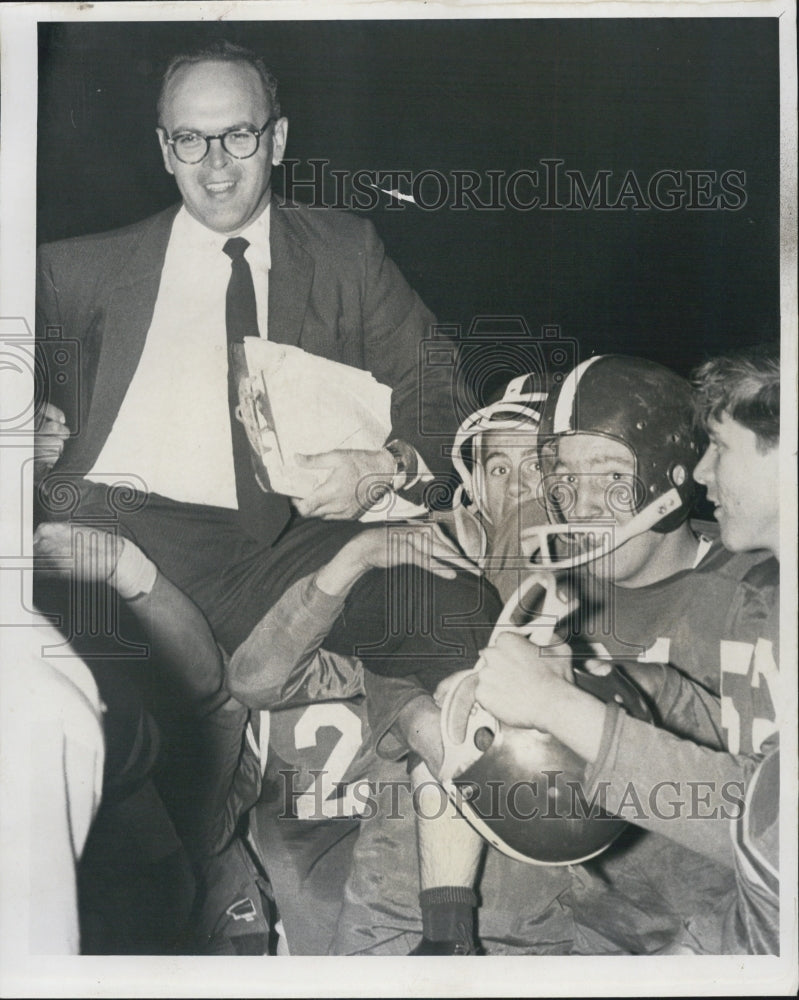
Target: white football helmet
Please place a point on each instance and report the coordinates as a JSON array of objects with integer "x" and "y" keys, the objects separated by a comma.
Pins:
[{"x": 519, "y": 408}]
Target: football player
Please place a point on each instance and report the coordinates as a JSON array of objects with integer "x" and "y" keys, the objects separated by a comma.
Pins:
[
  {"x": 326, "y": 746},
  {"x": 738, "y": 404},
  {"x": 615, "y": 448}
]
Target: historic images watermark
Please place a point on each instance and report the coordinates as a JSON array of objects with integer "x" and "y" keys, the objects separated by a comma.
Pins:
[
  {"x": 550, "y": 795},
  {"x": 548, "y": 185}
]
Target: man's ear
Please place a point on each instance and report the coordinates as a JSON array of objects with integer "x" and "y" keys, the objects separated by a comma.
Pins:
[
  {"x": 164, "y": 149},
  {"x": 280, "y": 133}
]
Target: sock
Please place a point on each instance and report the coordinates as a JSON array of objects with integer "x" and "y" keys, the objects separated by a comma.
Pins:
[{"x": 445, "y": 910}]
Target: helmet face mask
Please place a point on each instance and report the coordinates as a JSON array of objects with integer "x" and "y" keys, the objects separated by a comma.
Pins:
[{"x": 597, "y": 503}]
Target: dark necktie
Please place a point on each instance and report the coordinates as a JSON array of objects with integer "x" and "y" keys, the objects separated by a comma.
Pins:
[{"x": 262, "y": 515}]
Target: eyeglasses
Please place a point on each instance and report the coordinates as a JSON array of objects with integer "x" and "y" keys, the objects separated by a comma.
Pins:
[{"x": 192, "y": 147}]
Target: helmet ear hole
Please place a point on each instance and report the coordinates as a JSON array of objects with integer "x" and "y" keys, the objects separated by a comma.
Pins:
[{"x": 483, "y": 738}]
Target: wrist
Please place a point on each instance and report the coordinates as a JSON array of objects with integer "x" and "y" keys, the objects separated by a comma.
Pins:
[
  {"x": 134, "y": 574},
  {"x": 405, "y": 464},
  {"x": 346, "y": 567},
  {"x": 575, "y": 717}
]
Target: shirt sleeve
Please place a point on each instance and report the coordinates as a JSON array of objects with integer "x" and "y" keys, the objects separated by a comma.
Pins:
[
  {"x": 684, "y": 791},
  {"x": 385, "y": 698},
  {"x": 282, "y": 661}
]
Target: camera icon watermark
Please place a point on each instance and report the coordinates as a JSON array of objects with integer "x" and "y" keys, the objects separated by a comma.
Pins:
[{"x": 476, "y": 364}]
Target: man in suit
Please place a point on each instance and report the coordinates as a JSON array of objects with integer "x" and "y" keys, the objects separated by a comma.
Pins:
[
  {"x": 155, "y": 307},
  {"x": 148, "y": 305}
]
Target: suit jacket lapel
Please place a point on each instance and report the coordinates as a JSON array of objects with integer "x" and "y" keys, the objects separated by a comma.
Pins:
[
  {"x": 129, "y": 313},
  {"x": 290, "y": 279}
]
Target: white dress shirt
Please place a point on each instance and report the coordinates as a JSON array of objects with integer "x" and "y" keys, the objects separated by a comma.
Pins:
[{"x": 173, "y": 427}]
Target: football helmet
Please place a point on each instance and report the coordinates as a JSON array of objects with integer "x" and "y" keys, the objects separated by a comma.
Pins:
[
  {"x": 519, "y": 408},
  {"x": 521, "y": 789},
  {"x": 645, "y": 407}
]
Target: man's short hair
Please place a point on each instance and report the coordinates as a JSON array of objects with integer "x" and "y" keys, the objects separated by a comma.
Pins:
[
  {"x": 221, "y": 51},
  {"x": 745, "y": 385}
]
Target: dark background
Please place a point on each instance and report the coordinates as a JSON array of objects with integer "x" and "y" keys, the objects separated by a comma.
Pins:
[{"x": 619, "y": 95}]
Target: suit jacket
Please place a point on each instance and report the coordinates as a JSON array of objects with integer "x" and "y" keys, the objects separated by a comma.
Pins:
[{"x": 332, "y": 291}]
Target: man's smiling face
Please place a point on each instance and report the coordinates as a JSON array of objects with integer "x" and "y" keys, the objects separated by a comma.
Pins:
[
  {"x": 222, "y": 192},
  {"x": 743, "y": 483}
]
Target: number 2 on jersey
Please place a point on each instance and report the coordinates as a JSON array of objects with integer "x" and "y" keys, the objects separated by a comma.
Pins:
[{"x": 321, "y": 799}]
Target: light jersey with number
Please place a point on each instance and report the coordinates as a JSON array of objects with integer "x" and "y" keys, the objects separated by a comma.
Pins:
[
  {"x": 318, "y": 759},
  {"x": 716, "y": 624},
  {"x": 315, "y": 760}
]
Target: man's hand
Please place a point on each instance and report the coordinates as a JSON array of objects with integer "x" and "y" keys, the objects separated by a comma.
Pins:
[
  {"x": 355, "y": 480},
  {"x": 79, "y": 551},
  {"x": 522, "y": 688},
  {"x": 50, "y": 433},
  {"x": 418, "y": 724},
  {"x": 423, "y": 545},
  {"x": 519, "y": 686}
]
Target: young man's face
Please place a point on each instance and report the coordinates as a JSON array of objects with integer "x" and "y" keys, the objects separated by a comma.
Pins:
[
  {"x": 222, "y": 192},
  {"x": 743, "y": 482},
  {"x": 511, "y": 473},
  {"x": 593, "y": 478}
]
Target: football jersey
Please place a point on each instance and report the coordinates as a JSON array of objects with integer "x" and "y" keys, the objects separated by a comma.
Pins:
[
  {"x": 315, "y": 761},
  {"x": 749, "y": 661},
  {"x": 702, "y": 621},
  {"x": 753, "y": 924},
  {"x": 749, "y": 697}
]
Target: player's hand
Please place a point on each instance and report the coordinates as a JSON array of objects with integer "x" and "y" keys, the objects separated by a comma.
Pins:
[
  {"x": 50, "y": 434},
  {"x": 391, "y": 545},
  {"x": 79, "y": 551},
  {"x": 354, "y": 481},
  {"x": 518, "y": 685},
  {"x": 408, "y": 544}
]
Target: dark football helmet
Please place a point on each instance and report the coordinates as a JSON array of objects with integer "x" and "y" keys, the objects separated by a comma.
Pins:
[
  {"x": 521, "y": 789},
  {"x": 645, "y": 407}
]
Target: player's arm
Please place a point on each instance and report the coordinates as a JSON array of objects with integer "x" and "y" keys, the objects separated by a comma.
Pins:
[
  {"x": 283, "y": 660},
  {"x": 180, "y": 636},
  {"x": 653, "y": 778}
]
